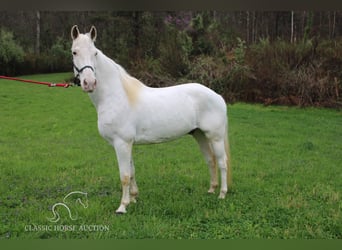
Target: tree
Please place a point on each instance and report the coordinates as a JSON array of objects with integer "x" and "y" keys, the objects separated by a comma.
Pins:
[
  {"x": 11, "y": 53},
  {"x": 37, "y": 32},
  {"x": 292, "y": 28}
]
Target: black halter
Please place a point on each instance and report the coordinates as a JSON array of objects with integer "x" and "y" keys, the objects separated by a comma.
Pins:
[{"x": 79, "y": 71}]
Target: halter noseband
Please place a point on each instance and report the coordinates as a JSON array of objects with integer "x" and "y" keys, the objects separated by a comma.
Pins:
[{"x": 79, "y": 71}]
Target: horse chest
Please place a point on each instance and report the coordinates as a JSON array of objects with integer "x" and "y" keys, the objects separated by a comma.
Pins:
[{"x": 112, "y": 125}]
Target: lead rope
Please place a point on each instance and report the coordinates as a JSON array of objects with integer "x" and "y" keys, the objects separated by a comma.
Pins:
[{"x": 49, "y": 84}]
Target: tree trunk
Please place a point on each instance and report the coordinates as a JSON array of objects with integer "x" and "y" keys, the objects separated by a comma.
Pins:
[
  {"x": 308, "y": 26},
  {"x": 37, "y": 32},
  {"x": 303, "y": 24},
  {"x": 292, "y": 14},
  {"x": 247, "y": 34},
  {"x": 253, "y": 27},
  {"x": 333, "y": 25},
  {"x": 276, "y": 28},
  {"x": 137, "y": 34}
]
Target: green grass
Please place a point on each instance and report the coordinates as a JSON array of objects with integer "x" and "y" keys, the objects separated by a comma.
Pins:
[{"x": 286, "y": 171}]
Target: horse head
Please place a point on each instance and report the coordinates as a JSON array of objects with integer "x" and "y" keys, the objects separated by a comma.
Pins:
[{"x": 84, "y": 55}]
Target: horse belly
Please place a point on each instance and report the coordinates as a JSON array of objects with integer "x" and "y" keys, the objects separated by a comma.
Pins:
[
  {"x": 147, "y": 136},
  {"x": 164, "y": 121}
]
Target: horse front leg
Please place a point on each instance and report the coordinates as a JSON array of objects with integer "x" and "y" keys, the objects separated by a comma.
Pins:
[
  {"x": 124, "y": 155},
  {"x": 133, "y": 185}
]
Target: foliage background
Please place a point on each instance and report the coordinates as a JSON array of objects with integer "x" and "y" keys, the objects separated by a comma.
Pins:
[{"x": 271, "y": 57}]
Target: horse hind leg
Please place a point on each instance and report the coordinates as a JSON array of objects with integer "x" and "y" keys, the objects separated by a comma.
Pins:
[
  {"x": 209, "y": 156},
  {"x": 220, "y": 153}
]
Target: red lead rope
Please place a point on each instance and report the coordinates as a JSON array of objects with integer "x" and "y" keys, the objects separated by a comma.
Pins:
[{"x": 65, "y": 85}]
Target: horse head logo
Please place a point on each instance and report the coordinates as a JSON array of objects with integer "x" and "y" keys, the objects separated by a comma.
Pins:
[{"x": 77, "y": 197}]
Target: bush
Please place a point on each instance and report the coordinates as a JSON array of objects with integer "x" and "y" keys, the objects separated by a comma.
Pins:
[
  {"x": 240, "y": 75},
  {"x": 227, "y": 76},
  {"x": 11, "y": 53},
  {"x": 60, "y": 56},
  {"x": 302, "y": 74},
  {"x": 56, "y": 59},
  {"x": 174, "y": 53}
]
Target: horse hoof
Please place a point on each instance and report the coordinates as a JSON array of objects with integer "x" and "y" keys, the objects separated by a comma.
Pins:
[
  {"x": 222, "y": 194},
  {"x": 211, "y": 191},
  {"x": 121, "y": 210}
]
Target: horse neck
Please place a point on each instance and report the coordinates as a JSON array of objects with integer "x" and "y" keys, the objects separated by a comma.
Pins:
[{"x": 109, "y": 88}]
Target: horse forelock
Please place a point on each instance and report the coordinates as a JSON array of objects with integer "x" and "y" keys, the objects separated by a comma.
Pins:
[{"x": 83, "y": 40}]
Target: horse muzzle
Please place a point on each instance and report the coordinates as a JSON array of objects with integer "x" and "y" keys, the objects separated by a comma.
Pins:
[{"x": 89, "y": 87}]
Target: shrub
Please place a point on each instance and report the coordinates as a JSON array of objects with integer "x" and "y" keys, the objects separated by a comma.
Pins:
[
  {"x": 240, "y": 75},
  {"x": 174, "y": 53},
  {"x": 56, "y": 59},
  {"x": 60, "y": 56},
  {"x": 302, "y": 74},
  {"x": 228, "y": 78},
  {"x": 202, "y": 43},
  {"x": 11, "y": 53}
]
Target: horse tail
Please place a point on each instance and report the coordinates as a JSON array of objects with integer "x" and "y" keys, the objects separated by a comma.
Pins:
[{"x": 228, "y": 160}]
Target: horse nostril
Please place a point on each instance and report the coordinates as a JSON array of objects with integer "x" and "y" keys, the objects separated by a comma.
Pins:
[
  {"x": 95, "y": 83},
  {"x": 85, "y": 83}
]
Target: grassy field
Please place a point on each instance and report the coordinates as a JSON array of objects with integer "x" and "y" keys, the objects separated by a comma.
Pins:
[{"x": 286, "y": 170}]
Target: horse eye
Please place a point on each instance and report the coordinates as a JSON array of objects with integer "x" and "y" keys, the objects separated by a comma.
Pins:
[
  {"x": 74, "y": 53},
  {"x": 96, "y": 54}
]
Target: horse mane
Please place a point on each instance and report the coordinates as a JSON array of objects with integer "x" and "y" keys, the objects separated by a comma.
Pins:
[{"x": 131, "y": 85}]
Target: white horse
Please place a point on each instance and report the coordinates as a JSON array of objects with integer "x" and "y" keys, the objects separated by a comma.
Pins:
[{"x": 130, "y": 113}]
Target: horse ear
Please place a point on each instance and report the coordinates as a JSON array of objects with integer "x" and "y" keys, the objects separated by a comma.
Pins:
[
  {"x": 93, "y": 33},
  {"x": 74, "y": 32}
]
